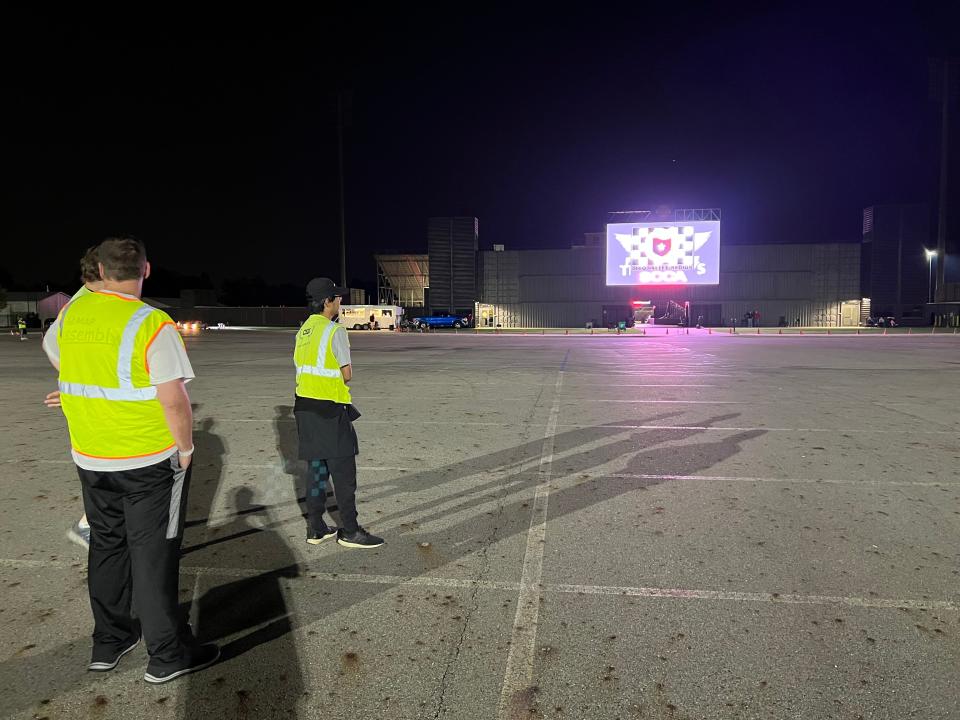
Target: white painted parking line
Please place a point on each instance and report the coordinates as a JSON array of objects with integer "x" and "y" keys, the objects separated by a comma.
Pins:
[
  {"x": 646, "y": 385},
  {"x": 508, "y": 472},
  {"x": 667, "y": 402},
  {"x": 746, "y": 479},
  {"x": 729, "y": 428},
  {"x": 692, "y": 372},
  {"x": 279, "y": 467},
  {"x": 523, "y": 636},
  {"x": 372, "y": 422},
  {"x": 665, "y": 593},
  {"x": 241, "y": 466},
  {"x": 774, "y": 598},
  {"x": 23, "y": 564},
  {"x": 430, "y": 581}
]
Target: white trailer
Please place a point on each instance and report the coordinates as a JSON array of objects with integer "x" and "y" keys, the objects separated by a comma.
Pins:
[{"x": 371, "y": 317}]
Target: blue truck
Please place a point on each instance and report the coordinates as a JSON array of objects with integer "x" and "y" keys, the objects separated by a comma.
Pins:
[{"x": 441, "y": 320}]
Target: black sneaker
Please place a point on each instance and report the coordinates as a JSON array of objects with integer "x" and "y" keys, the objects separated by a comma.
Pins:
[
  {"x": 198, "y": 658},
  {"x": 105, "y": 660},
  {"x": 360, "y": 538},
  {"x": 315, "y": 537}
]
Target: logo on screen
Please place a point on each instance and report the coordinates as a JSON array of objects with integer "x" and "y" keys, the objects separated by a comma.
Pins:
[{"x": 662, "y": 254}]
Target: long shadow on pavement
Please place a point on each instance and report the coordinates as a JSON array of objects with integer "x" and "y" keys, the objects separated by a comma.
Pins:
[{"x": 241, "y": 546}]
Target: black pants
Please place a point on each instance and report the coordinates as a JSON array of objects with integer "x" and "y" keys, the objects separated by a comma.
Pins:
[
  {"x": 136, "y": 526},
  {"x": 344, "y": 472}
]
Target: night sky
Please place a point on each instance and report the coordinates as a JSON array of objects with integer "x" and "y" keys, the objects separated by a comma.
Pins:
[{"x": 214, "y": 139}]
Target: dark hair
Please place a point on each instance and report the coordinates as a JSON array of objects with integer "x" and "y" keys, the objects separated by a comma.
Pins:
[
  {"x": 319, "y": 304},
  {"x": 122, "y": 259},
  {"x": 89, "y": 272}
]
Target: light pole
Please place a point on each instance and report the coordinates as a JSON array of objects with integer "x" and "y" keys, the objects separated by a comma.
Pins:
[{"x": 931, "y": 254}]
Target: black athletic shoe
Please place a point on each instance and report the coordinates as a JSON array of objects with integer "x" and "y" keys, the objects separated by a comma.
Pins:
[
  {"x": 198, "y": 658},
  {"x": 105, "y": 660},
  {"x": 316, "y": 537},
  {"x": 360, "y": 538}
]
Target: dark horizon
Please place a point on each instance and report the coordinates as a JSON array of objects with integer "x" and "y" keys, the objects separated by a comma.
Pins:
[{"x": 217, "y": 144}]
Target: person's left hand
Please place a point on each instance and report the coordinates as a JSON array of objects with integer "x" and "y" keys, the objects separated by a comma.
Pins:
[{"x": 52, "y": 400}]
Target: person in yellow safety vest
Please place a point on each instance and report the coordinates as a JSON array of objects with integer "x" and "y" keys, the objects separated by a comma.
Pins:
[
  {"x": 123, "y": 370},
  {"x": 22, "y": 328},
  {"x": 325, "y": 415},
  {"x": 90, "y": 276}
]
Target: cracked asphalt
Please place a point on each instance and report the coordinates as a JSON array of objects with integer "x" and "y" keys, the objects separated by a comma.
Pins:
[{"x": 734, "y": 527}]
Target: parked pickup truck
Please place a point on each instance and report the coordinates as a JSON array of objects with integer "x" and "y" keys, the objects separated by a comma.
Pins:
[{"x": 441, "y": 320}]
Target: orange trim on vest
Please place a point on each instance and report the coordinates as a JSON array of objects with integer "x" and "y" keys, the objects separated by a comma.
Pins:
[
  {"x": 124, "y": 457},
  {"x": 118, "y": 297}
]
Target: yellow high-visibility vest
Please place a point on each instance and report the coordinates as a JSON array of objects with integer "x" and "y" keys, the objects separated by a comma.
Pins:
[
  {"x": 318, "y": 371},
  {"x": 111, "y": 408}
]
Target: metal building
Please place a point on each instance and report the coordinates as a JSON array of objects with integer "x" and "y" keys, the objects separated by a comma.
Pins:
[
  {"x": 35, "y": 307},
  {"x": 808, "y": 284},
  {"x": 896, "y": 272},
  {"x": 452, "y": 244},
  {"x": 401, "y": 279}
]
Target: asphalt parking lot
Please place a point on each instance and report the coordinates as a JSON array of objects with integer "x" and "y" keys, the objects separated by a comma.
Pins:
[{"x": 684, "y": 527}]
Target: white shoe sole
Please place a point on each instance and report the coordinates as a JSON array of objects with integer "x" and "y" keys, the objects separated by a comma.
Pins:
[
  {"x": 106, "y": 667},
  {"x": 317, "y": 541},
  {"x": 359, "y": 546},
  {"x": 153, "y": 679},
  {"x": 75, "y": 537}
]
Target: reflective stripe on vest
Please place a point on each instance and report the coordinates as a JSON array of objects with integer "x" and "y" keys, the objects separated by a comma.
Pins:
[
  {"x": 127, "y": 342},
  {"x": 325, "y": 339},
  {"x": 126, "y": 391},
  {"x": 105, "y": 393}
]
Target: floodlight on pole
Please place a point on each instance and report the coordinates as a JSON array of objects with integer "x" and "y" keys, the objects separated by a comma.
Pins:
[{"x": 931, "y": 254}]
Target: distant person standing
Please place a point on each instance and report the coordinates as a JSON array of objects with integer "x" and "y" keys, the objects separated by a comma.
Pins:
[
  {"x": 325, "y": 415},
  {"x": 22, "y": 328},
  {"x": 123, "y": 370}
]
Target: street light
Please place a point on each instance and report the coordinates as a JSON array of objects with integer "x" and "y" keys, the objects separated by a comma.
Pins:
[{"x": 931, "y": 254}]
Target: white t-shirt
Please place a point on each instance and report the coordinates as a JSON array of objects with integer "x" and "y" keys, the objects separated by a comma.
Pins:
[
  {"x": 167, "y": 359},
  {"x": 341, "y": 346}
]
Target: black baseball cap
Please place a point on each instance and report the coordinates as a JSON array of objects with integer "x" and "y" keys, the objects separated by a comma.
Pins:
[{"x": 320, "y": 289}]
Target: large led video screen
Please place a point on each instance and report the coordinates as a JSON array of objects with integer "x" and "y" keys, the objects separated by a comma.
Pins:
[{"x": 663, "y": 253}]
